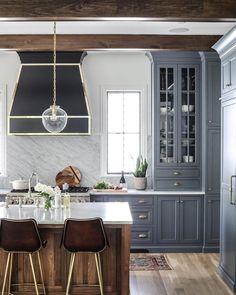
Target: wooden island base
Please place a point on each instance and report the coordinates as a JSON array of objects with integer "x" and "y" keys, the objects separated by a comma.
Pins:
[{"x": 55, "y": 262}]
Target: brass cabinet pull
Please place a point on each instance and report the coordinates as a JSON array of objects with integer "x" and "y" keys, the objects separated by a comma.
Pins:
[
  {"x": 176, "y": 173},
  {"x": 142, "y": 236},
  {"x": 209, "y": 188},
  {"x": 231, "y": 189},
  {"x": 181, "y": 201},
  {"x": 142, "y": 201},
  {"x": 142, "y": 217},
  {"x": 209, "y": 201},
  {"x": 176, "y": 184}
]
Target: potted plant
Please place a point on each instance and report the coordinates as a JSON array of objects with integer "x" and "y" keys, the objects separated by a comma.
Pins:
[{"x": 140, "y": 179}]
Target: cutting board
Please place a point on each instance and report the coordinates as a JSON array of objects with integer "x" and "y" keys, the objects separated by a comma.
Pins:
[
  {"x": 123, "y": 190},
  {"x": 70, "y": 175}
]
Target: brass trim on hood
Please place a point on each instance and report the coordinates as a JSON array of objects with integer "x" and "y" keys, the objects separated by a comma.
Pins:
[{"x": 32, "y": 117}]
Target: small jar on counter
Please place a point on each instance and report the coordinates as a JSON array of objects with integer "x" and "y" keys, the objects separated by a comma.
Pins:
[{"x": 66, "y": 200}]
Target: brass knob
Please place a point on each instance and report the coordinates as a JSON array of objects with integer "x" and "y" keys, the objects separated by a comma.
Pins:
[
  {"x": 176, "y": 173},
  {"x": 176, "y": 184},
  {"x": 142, "y": 201},
  {"x": 142, "y": 217},
  {"x": 142, "y": 236}
]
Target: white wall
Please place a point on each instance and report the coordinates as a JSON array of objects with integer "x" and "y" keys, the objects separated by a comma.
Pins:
[{"x": 47, "y": 156}]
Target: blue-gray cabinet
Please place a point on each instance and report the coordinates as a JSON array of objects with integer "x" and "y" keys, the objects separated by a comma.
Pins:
[
  {"x": 228, "y": 69},
  {"x": 179, "y": 220},
  {"x": 228, "y": 194},
  {"x": 227, "y": 52},
  {"x": 212, "y": 221},
  {"x": 143, "y": 214},
  {"x": 176, "y": 120},
  {"x": 213, "y": 161}
]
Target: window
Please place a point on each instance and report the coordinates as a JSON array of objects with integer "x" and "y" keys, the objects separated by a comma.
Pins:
[
  {"x": 2, "y": 131},
  {"x": 123, "y": 132}
]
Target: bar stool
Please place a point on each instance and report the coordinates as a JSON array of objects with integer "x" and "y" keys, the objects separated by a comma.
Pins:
[
  {"x": 84, "y": 235},
  {"x": 20, "y": 236}
]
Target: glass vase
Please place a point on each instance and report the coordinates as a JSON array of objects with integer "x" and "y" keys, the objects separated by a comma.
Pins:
[{"x": 47, "y": 202}]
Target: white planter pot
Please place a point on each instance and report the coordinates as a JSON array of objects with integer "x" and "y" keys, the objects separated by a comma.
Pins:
[{"x": 140, "y": 183}]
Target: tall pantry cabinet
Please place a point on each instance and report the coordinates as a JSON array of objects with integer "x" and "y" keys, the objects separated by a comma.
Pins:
[{"x": 226, "y": 48}]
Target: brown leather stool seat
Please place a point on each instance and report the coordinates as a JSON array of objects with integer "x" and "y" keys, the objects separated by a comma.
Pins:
[
  {"x": 84, "y": 235},
  {"x": 20, "y": 236}
]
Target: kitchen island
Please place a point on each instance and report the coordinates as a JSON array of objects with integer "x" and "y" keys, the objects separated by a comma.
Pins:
[{"x": 115, "y": 259}]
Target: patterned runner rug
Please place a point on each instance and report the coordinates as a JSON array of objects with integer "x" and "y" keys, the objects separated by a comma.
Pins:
[{"x": 149, "y": 262}]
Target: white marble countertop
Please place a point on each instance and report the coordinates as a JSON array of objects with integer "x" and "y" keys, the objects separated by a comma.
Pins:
[
  {"x": 111, "y": 213},
  {"x": 148, "y": 192},
  {"x": 4, "y": 191}
]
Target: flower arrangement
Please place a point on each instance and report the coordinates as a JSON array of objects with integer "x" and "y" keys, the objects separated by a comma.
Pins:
[{"x": 47, "y": 192}]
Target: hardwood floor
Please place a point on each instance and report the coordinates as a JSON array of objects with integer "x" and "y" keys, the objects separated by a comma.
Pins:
[{"x": 192, "y": 274}]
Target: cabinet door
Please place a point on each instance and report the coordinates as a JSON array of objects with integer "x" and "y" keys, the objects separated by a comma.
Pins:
[
  {"x": 213, "y": 94},
  {"x": 225, "y": 75},
  {"x": 212, "y": 218},
  {"x": 188, "y": 106},
  {"x": 166, "y": 114},
  {"x": 190, "y": 220},
  {"x": 213, "y": 162},
  {"x": 229, "y": 73},
  {"x": 228, "y": 210},
  {"x": 168, "y": 220}
]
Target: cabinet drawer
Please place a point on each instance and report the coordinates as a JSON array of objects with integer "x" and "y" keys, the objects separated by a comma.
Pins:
[
  {"x": 178, "y": 173},
  {"x": 142, "y": 235},
  {"x": 178, "y": 184},
  {"x": 142, "y": 216},
  {"x": 132, "y": 200}
]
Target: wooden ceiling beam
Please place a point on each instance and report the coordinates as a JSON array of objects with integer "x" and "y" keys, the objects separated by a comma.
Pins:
[
  {"x": 160, "y": 9},
  {"x": 102, "y": 42}
]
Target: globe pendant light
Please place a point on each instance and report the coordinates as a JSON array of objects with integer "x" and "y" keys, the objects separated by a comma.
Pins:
[{"x": 54, "y": 118}]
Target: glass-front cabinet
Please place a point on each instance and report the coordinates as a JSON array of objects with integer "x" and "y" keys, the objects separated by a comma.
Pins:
[
  {"x": 167, "y": 115},
  {"x": 178, "y": 100},
  {"x": 188, "y": 109}
]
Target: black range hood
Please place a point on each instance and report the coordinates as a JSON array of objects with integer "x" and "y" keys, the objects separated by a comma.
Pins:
[{"x": 34, "y": 91}]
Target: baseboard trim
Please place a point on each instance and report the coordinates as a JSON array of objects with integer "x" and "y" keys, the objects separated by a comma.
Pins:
[
  {"x": 226, "y": 278},
  {"x": 169, "y": 249},
  {"x": 211, "y": 249}
]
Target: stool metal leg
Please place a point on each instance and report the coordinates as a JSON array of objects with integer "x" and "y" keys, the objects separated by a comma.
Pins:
[
  {"x": 99, "y": 271},
  {"x": 10, "y": 273},
  {"x": 72, "y": 260},
  {"x": 100, "y": 266},
  {"x": 33, "y": 272},
  {"x": 41, "y": 273},
  {"x": 5, "y": 275}
]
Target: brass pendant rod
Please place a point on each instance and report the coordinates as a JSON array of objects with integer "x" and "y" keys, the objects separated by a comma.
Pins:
[{"x": 54, "y": 65}]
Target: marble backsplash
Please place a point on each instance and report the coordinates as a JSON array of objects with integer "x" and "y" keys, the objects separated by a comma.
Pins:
[{"x": 48, "y": 155}]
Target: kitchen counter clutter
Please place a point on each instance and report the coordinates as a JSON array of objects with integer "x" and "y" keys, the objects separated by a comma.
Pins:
[{"x": 55, "y": 260}]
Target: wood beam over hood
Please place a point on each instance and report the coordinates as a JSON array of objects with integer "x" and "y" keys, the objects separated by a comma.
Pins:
[
  {"x": 159, "y": 9},
  {"x": 103, "y": 42}
]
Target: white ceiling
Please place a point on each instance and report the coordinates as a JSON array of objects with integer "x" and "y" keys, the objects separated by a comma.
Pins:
[{"x": 117, "y": 27}]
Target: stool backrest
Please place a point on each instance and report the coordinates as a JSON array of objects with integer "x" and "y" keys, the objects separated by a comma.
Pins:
[
  {"x": 84, "y": 235},
  {"x": 19, "y": 235}
]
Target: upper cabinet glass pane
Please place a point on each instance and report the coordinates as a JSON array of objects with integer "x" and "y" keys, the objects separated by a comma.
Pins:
[
  {"x": 188, "y": 115},
  {"x": 167, "y": 115}
]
